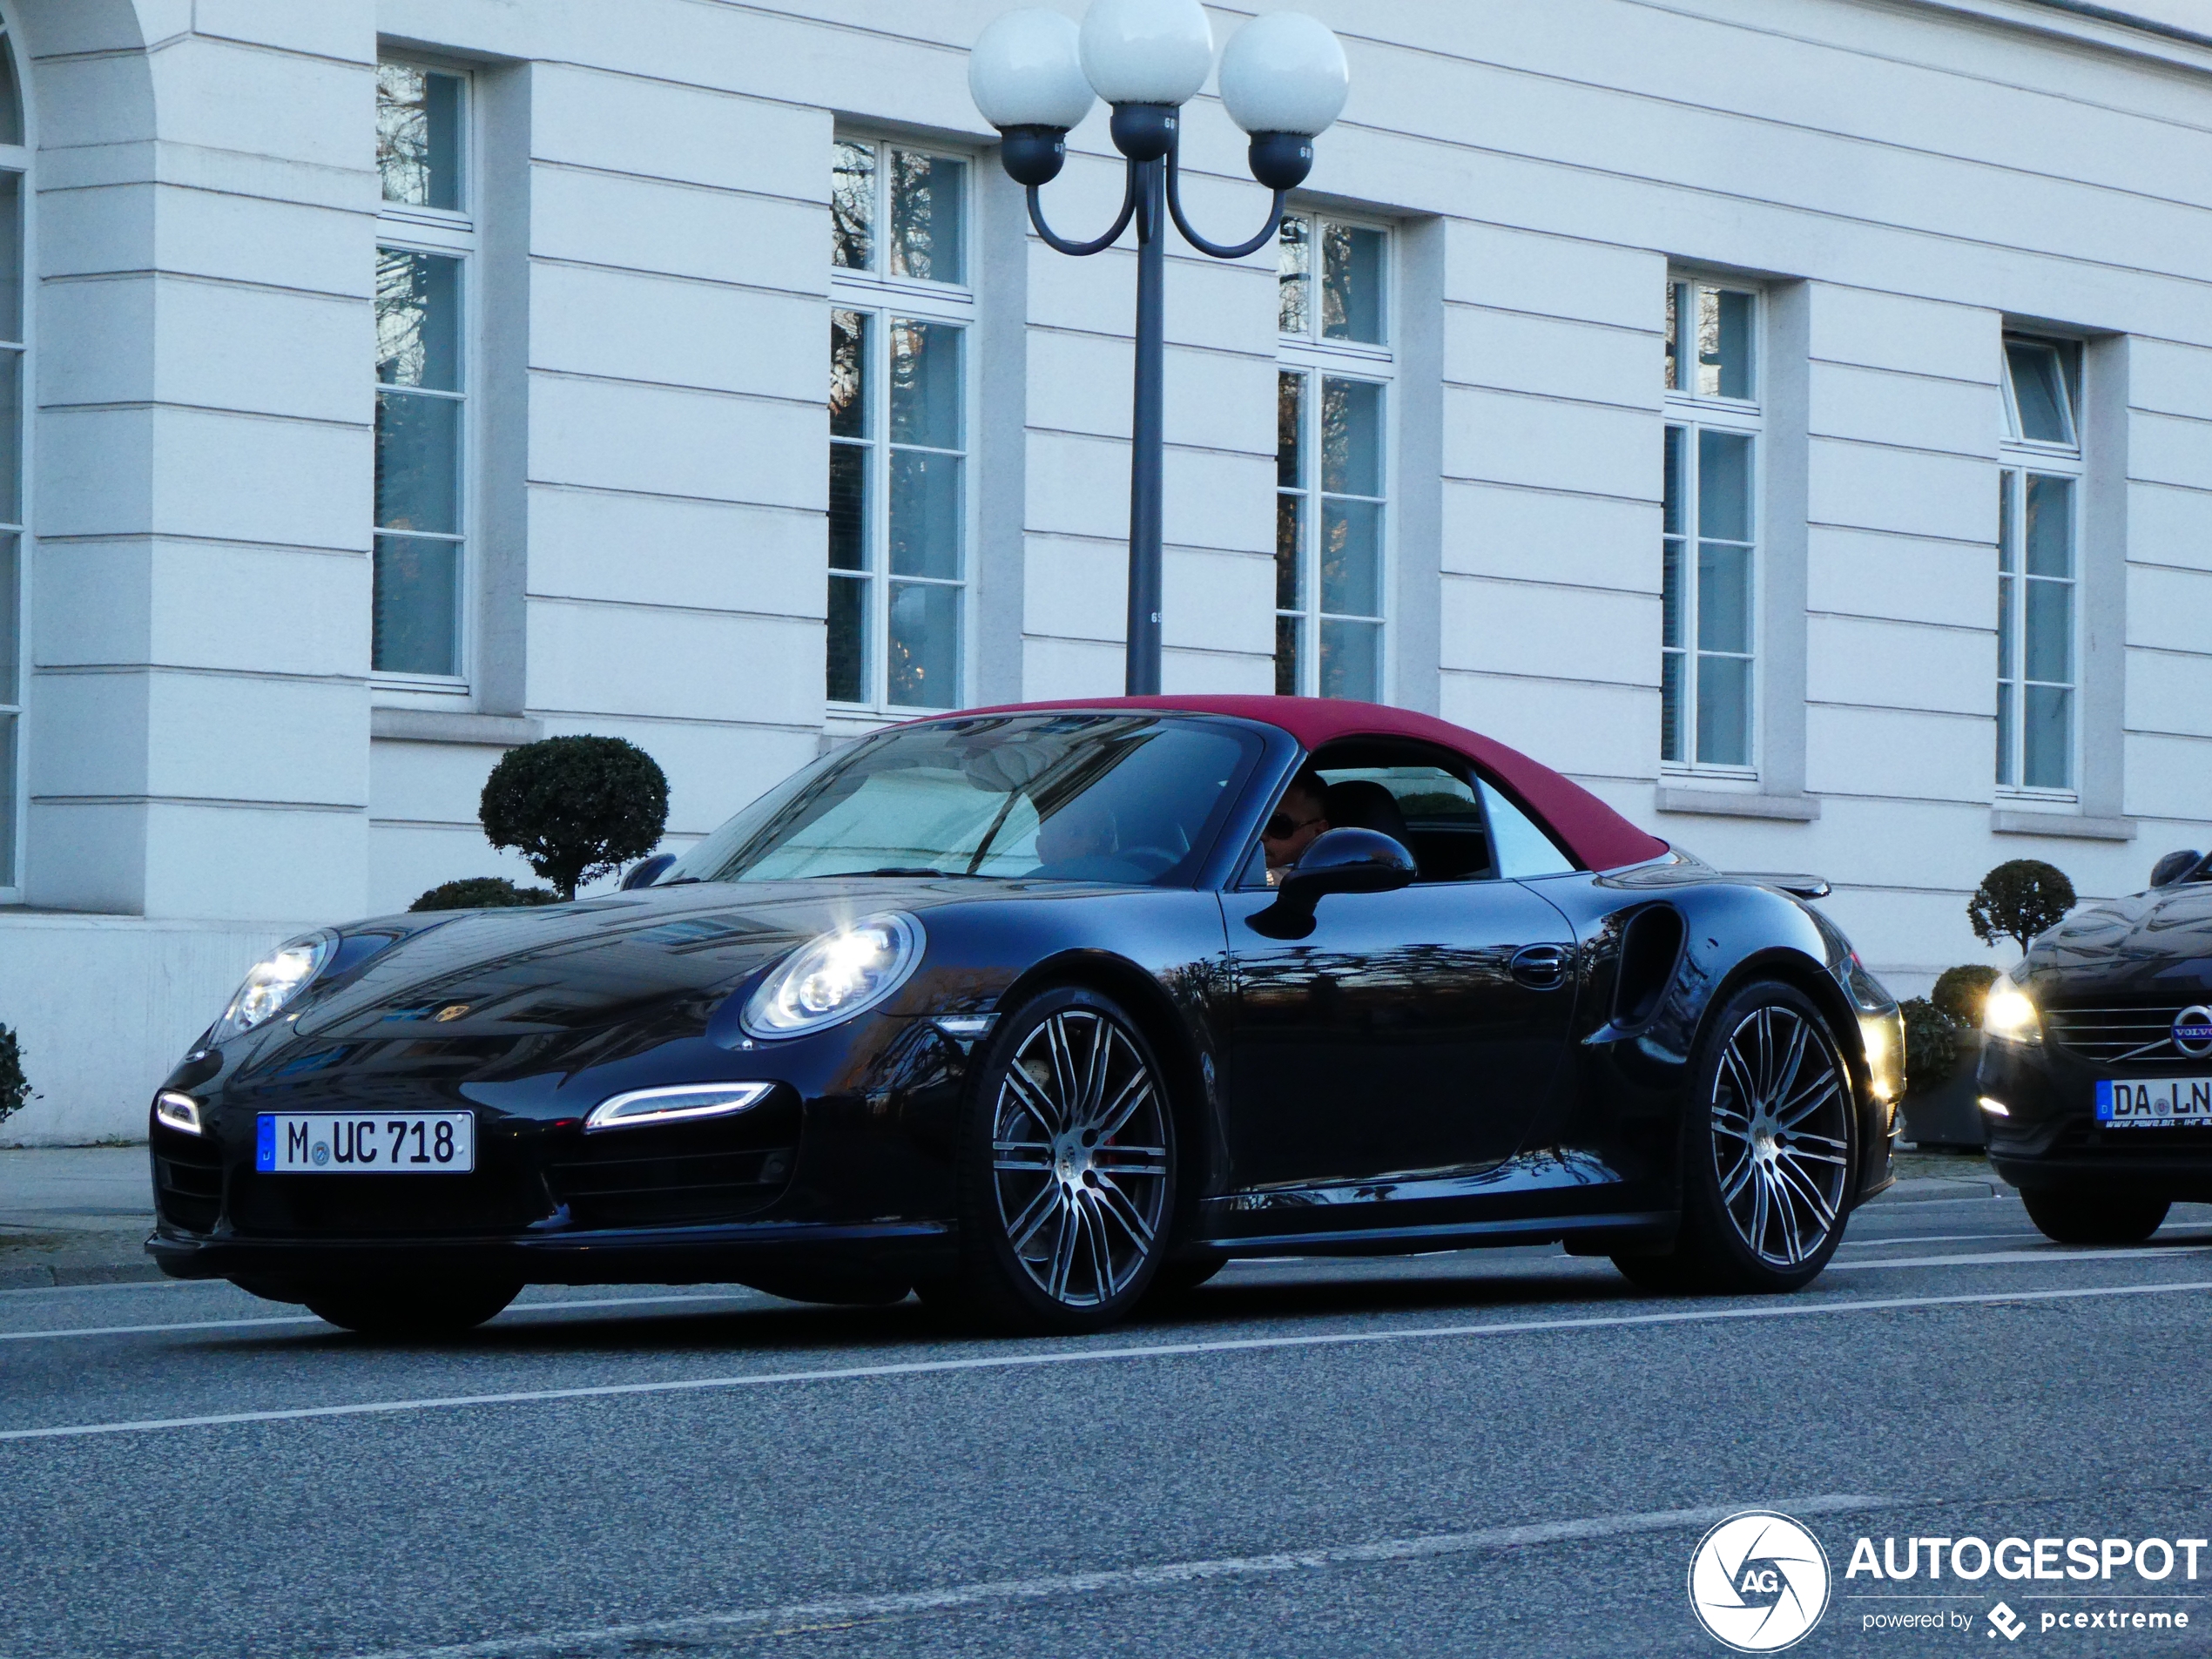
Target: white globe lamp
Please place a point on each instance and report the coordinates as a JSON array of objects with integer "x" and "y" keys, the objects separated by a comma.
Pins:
[
  {"x": 1026, "y": 75},
  {"x": 1147, "y": 52}
]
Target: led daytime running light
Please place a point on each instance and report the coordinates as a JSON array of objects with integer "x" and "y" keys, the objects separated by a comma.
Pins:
[
  {"x": 180, "y": 1112},
  {"x": 676, "y": 1105}
]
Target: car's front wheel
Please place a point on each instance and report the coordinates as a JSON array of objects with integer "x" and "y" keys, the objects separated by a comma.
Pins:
[
  {"x": 1766, "y": 1152},
  {"x": 2073, "y": 1217},
  {"x": 409, "y": 1309},
  {"x": 1067, "y": 1168}
]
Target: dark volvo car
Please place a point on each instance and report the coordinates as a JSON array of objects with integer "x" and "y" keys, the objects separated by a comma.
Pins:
[
  {"x": 2096, "y": 1073},
  {"x": 1009, "y": 1008}
]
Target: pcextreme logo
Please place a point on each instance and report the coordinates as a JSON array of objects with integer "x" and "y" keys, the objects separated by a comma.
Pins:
[{"x": 1758, "y": 1581}]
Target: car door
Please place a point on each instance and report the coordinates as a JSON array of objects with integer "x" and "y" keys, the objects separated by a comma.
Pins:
[{"x": 1420, "y": 1030}]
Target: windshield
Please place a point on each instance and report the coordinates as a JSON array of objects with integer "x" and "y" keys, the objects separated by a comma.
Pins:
[{"x": 1131, "y": 799}]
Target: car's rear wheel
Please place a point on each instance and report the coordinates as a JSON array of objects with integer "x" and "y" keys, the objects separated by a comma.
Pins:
[
  {"x": 1067, "y": 1169},
  {"x": 410, "y": 1308},
  {"x": 1766, "y": 1152},
  {"x": 2072, "y": 1216},
  {"x": 1175, "y": 1280}
]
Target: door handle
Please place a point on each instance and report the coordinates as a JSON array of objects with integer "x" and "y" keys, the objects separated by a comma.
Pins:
[{"x": 1543, "y": 968}]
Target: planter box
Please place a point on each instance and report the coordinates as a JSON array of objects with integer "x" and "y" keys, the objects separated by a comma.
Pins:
[{"x": 1948, "y": 1114}]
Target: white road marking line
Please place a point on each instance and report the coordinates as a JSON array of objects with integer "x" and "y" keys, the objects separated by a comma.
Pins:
[
  {"x": 309, "y": 1318},
  {"x": 2133, "y": 1252},
  {"x": 1806, "y": 1309},
  {"x": 1169, "y": 1574}
]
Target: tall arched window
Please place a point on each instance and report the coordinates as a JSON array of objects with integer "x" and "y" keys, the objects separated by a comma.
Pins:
[{"x": 14, "y": 201}]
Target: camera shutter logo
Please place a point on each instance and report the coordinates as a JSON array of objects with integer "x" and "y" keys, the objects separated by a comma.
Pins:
[
  {"x": 1758, "y": 1581},
  {"x": 2193, "y": 1030}
]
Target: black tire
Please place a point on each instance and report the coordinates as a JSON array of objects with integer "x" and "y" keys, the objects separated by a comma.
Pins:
[
  {"x": 1654, "y": 1275},
  {"x": 408, "y": 1310},
  {"x": 1067, "y": 1170},
  {"x": 2070, "y": 1215},
  {"x": 1770, "y": 1140},
  {"x": 1175, "y": 1280}
]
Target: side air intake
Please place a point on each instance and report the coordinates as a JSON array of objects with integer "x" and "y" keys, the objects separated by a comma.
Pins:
[{"x": 1649, "y": 949}]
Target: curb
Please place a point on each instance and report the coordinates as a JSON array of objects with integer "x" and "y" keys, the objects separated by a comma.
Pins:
[
  {"x": 63, "y": 1275},
  {"x": 1937, "y": 1189}
]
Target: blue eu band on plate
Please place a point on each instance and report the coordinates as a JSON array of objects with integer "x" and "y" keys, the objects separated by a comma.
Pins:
[{"x": 346, "y": 1144}]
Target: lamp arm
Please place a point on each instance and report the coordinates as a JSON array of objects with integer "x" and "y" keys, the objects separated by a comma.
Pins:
[
  {"x": 1218, "y": 251},
  {"x": 1061, "y": 244}
]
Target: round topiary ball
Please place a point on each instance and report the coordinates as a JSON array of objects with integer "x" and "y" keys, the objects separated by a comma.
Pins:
[
  {"x": 575, "y": 807},
  {"x": 483, "y": 892},
  {"x": 1960, "y": 992},
  {"x": 2018, "y": 900}
]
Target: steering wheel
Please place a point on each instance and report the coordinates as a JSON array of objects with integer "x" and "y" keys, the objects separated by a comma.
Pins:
[{"x": 1149, "y": 860}]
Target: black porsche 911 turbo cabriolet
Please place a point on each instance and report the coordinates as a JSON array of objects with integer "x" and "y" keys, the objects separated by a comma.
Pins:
[
  {"x": 1008, "y": 1007},
  {"x": 2096, "y": 1063}
]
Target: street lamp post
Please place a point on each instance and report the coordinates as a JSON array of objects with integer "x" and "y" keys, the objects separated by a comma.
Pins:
[{"x": 1033, "y": 74}]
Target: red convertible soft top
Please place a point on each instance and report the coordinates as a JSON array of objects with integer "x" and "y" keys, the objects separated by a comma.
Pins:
[{"x": 1599, "y": 838}]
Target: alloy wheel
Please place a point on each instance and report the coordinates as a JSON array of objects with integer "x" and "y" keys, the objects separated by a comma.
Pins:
[
  {"x": 1781, "y": 1135},
  {"x": 1079, "y": 1157}
]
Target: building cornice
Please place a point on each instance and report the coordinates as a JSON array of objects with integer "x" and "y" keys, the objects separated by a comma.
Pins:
[{"x": 2131, "y": 32}]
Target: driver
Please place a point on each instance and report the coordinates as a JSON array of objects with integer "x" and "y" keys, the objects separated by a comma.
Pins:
[
  {"x": 1299, "y": 818},
  {"x": 1074, "y": 841}
]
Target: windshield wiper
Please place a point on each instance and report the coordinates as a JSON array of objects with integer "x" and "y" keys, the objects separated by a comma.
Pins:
[{"x": 894, "y": 869}]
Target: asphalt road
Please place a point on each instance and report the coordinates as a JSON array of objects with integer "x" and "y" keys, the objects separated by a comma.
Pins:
[{"x": 1484, "y": 1452}]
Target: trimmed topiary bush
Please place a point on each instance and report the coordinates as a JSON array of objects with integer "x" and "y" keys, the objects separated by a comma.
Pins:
[
  {"x": 575, "y": 807},
  {"x": 1931, "y": 1043},
  {"x": 483, "y": 892},
  {"x": 15, "y": 1087},
  {"x": 2018, "y": 900},
  {"x": 1960, "y": 992}
]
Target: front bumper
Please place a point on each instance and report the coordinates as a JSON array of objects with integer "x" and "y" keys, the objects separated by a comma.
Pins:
[
  {"x": 813, "y": 1176},
  {"x": 704, "y": 1255},
  {"x": 2050, "y": 1138}
]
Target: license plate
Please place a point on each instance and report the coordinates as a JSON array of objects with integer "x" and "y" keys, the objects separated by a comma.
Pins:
[
  {"x": 2164, "y": 1102},
  {"x": 350, "y": 1143}
]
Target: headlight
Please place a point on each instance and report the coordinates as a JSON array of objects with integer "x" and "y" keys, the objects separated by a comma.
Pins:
[
  {"x": 836, "y": 976},
  {"x": 2010, "y": 1015},
  {"x": 274, "y": 981},
  {"x": 1882, "y": 1058}
]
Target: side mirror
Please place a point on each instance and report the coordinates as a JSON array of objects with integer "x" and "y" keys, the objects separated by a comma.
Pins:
[
  {"x": 2173, "y": 867},
  {"x": 645, "y": 871},
  {"x": 1340, "y": 861}
]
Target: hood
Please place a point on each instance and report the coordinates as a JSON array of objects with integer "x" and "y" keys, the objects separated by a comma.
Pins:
[
  {"x": 654, "y": 962},
  {"x": 2156, "y": 944}
]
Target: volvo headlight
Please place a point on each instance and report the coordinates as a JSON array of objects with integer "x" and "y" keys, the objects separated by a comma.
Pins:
[
  {"x": 274, "y": 981},
  {"x": 835, "y": 976},
  {"x": 2010, "y": 1014}
]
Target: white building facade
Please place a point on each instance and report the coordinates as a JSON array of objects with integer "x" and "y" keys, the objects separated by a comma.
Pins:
[{"x": 1790, "y": 418}]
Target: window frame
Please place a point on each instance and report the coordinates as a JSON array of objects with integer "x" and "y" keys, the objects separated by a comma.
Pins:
[
  {"x": 1317, "y": 359},
  {"x": 453, "y": 233},
  {"x": 15, "y": 700},
  {"x": 887, "y": 298},
  {"x": 2019, "y": 459},
  {"x": 1692, "y": 413}
]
